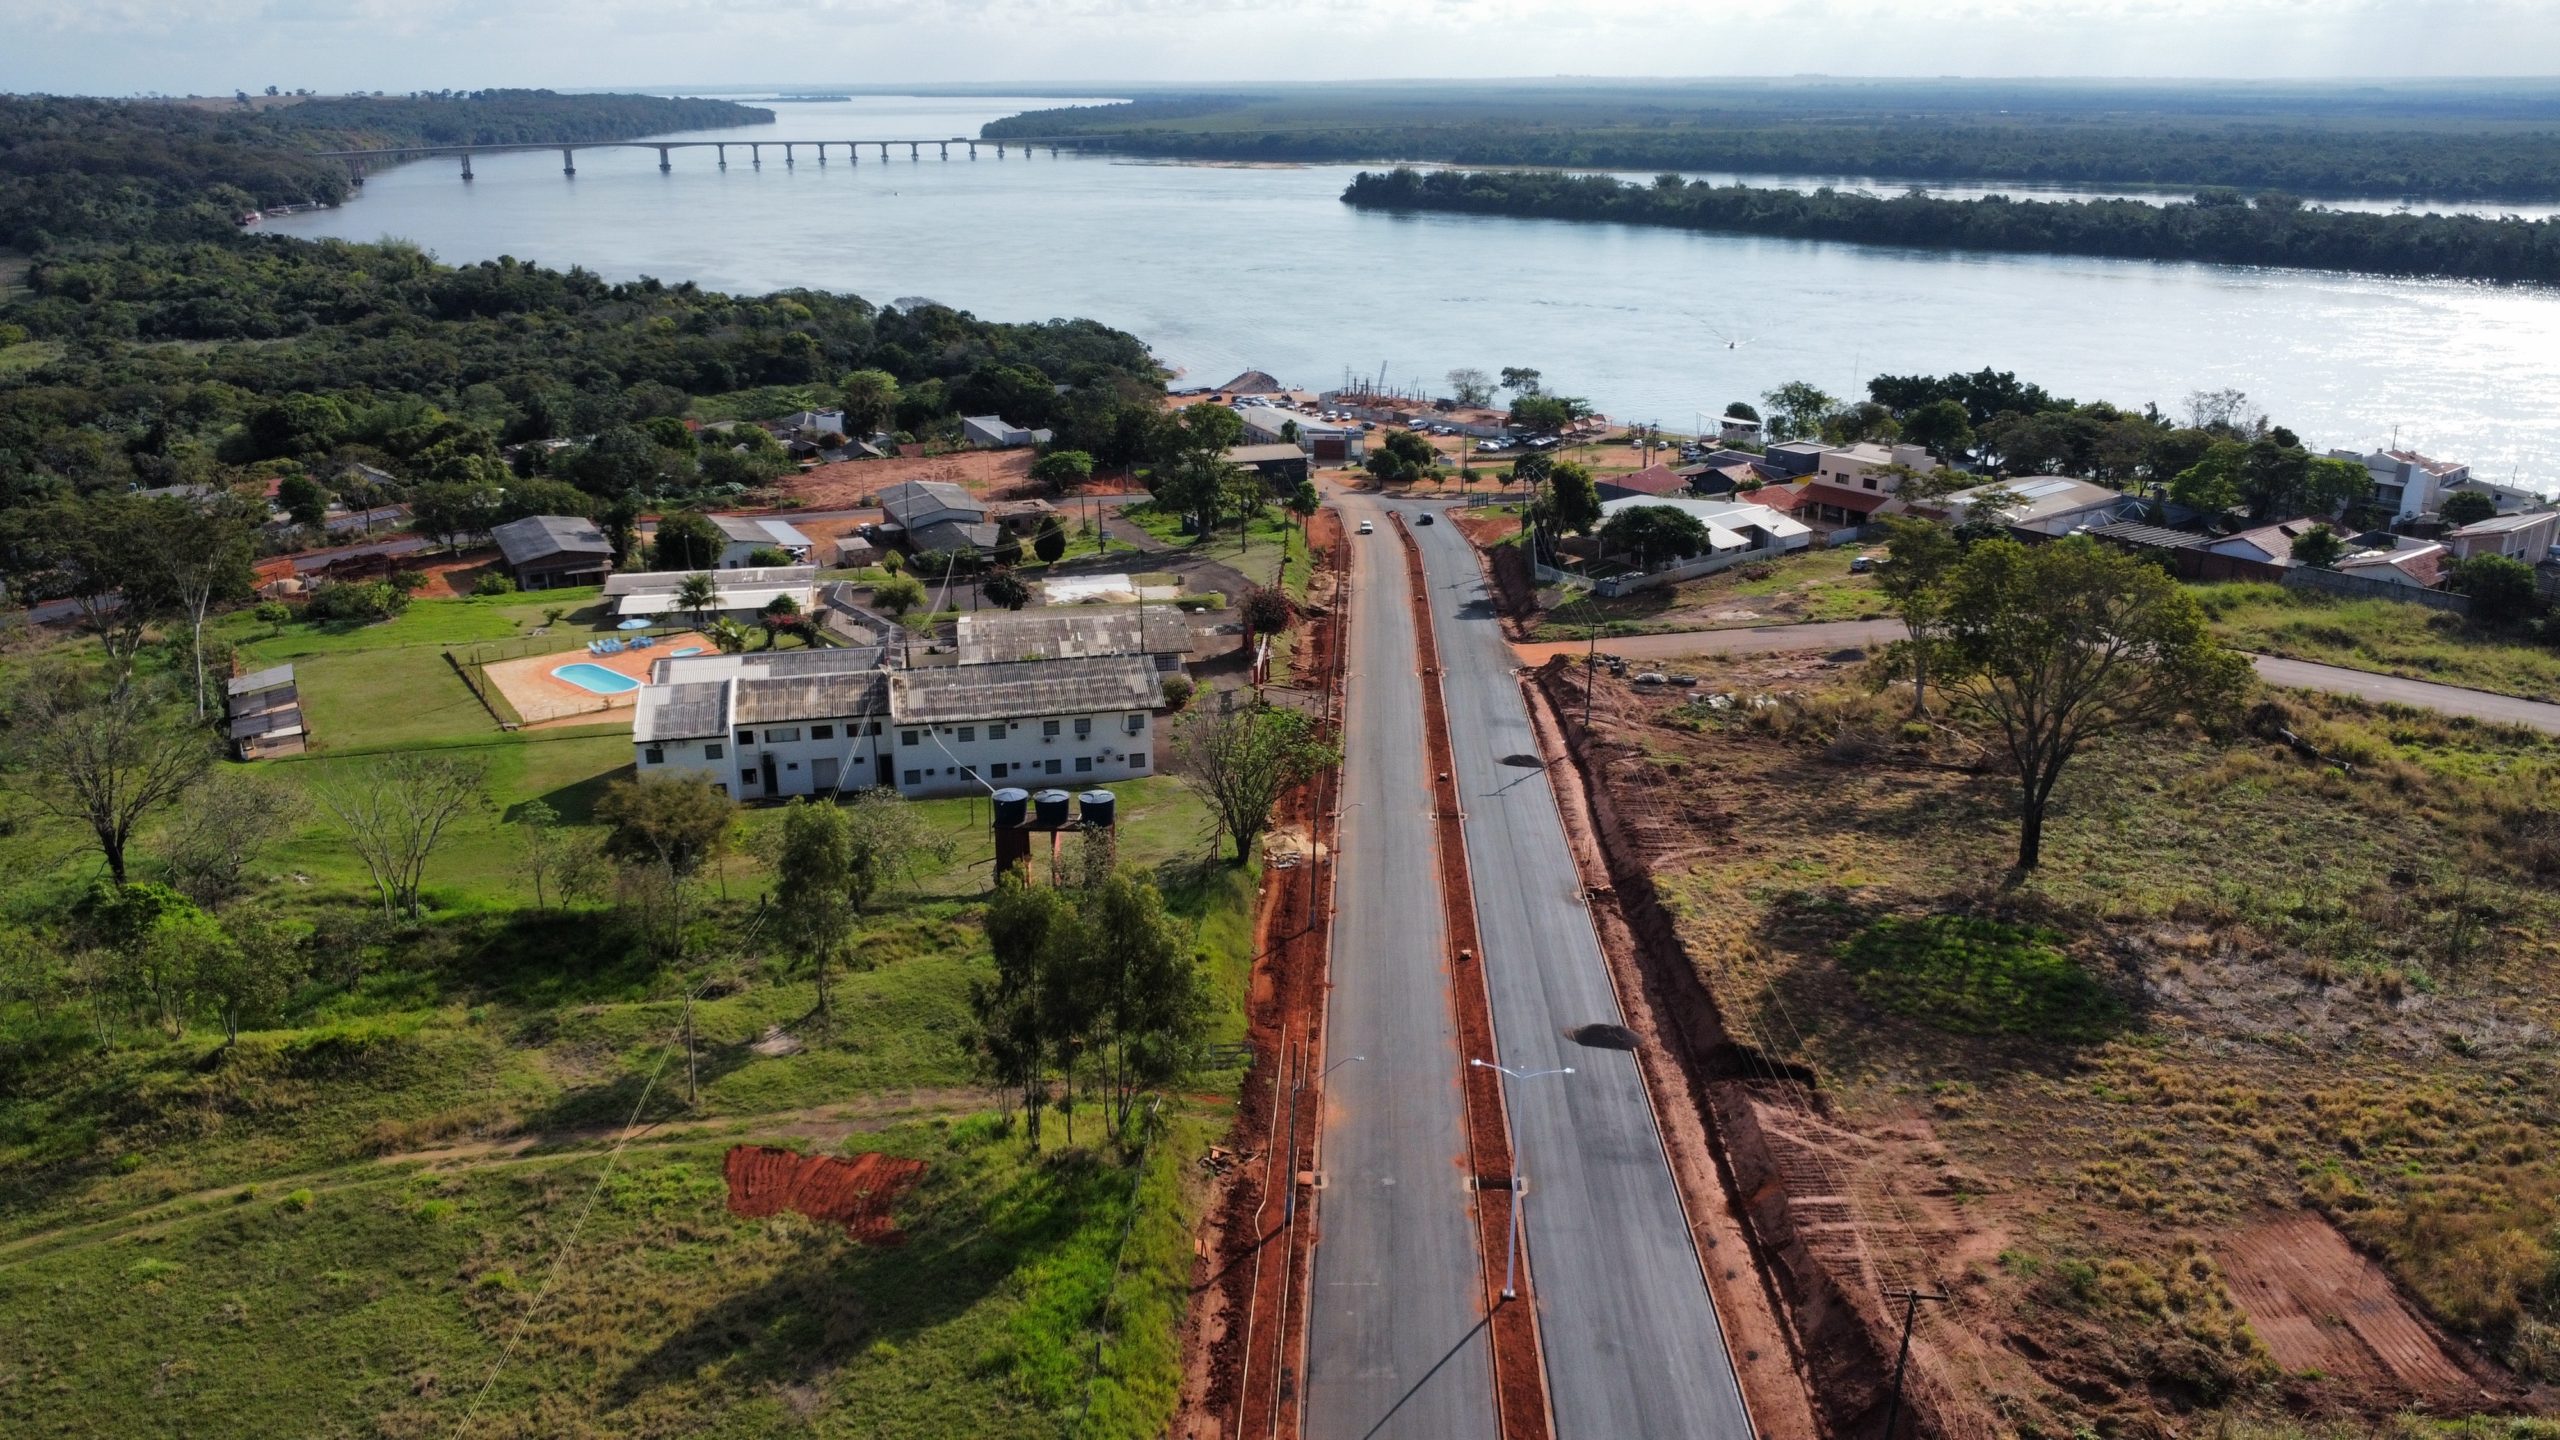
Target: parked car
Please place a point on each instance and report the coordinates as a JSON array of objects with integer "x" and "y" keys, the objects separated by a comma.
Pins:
[
  {"x": 1425, "y": 518},
  {"x": 1368, "y": 527},
  {"x": 1860, "y": 565}
]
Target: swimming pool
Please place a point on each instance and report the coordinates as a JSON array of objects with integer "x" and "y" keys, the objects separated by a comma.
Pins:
[
  {"x": 595, "y": 679},
  {"x": 687, "y": 650}
]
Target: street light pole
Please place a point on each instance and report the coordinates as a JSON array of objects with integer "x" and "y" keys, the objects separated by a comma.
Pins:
[
  {"x": 1511, "y": 1253},
  {"x": 1910, "y": 1311},
  {"x": 1289, "y": 1211}
]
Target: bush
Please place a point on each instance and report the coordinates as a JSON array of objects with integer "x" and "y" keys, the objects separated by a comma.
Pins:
[
  {"x": 1178, "y": 690},
  {"x": 356, "y": 602},
  {"x": 493, "y": 583},
  {"x": 898, "y": 594},
  {"x": 1979, "y": 977}
]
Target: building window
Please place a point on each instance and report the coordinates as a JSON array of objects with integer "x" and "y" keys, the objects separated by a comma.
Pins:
[
  {"x": 791, "y": 765},
  {"x": 1137, "y": 759},
  {"x": 996, "y": 731},
  {"x": 822, "y": 732},
  {"x": 714, "y": 750},
  {"x": 910, "y": 737},
  {"x": 1049, "y": 729},
  {"x": 1084, "y": 726},
  {"x": 746, "y": 738},
  {"x": 1137, "y": 723},
  {"x": 785, "y": 736},
  {"x": 716, "y": 785},
  {"x": 914, "y": 778},
  {"x": 654, "y": 755},
  {"x": 969, "y": 733},
  {"x": 746, "y": 779},
  {"x": 1053, "y": 767},
  {"x": 1084, "y": 764},
  {"x": 969, "y": 770}
]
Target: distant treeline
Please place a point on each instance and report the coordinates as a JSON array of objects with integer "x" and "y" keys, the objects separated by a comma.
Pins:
[
  {"x": 2428, "y": 162},
  {"x": 2219, "y": 227},
  {"x": 76, "y": 170}
]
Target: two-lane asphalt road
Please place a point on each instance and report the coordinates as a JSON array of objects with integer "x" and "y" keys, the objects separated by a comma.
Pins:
[
  {"x": 1633, "y": 1347},
  {"x": 1396, "y": 1345}
]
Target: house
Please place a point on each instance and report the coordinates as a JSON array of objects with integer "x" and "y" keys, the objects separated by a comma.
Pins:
[
  {"x": 1280, "y": 465},
  {"x": 764, "y": 726},
  {"x": 2409, "y": 485},
  {"x": 914, "y": 504},
  {"x": 739, "y": 595},
  {"x": 2266, "y": 544},
  {"x": 963, "y": 728},
  {"x": 852, "y": 552},
  {"x": 994, "y": 432},
  {"x": 943, "y": 536},
  {"x": 2419, "y": 564},
  {"x": 542, "y": 552},
  {"x": 813, "y": 426},
  {"x": 1329, "y": 442},
  {"x": 2527, "y": 537},
  {"x": 1829, "y": 509},
  {"x": 746, "y": 535},
  {"x": 1736, "y": 427},
  {"x": 1730, "y": 526},
  {"x": 1159, "y": 632},
  {"x": 1796, "y": 457},
  {"x": 2040, "y": 504},
  {"x": 1656, "y": 481},
  {"x": 264, "y": 714},
  {"x": 1868, "y": 467}
]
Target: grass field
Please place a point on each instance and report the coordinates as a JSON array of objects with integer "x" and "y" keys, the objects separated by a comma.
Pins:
[
  {"x": 2385, "y": 636},
  {"x": 1258, "y": 556},
  {"x": 1807, "y": 586}
]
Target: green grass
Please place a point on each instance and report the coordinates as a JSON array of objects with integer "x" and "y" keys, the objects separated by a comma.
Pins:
[
  {"x": 1975, "y": 976},
  {"x": 2388, "y": 637},
  {"x": 1800, "y": 588}
]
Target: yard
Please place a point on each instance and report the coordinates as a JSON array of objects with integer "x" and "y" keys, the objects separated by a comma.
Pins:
[
  {"x": 1803, "y": 587},
  {"x": 2385, "y": 636}
]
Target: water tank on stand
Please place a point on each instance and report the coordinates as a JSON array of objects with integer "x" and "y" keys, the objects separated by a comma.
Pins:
[
  {"x": 1012, "y": 806},
  {"x": 1097, "y": 807},
  {"x": 1051, "y": 809}
]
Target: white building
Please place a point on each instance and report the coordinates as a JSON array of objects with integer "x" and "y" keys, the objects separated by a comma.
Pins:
[
  {"x": 1731, "y": 525},
  {"x": 746, "y": 535},
  {"x": 739, "y": 594},
  {"x": 994, "y": 432},
  {"x": 2410, "y": 485},
  {"x": 2045, "y": 504},
  {"x": 807, "y": 722},
  {"x": 1863, "y": 466}
]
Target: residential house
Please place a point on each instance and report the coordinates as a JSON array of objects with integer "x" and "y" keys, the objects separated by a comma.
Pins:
[
  {"x": 2411, "y": 486},
  {"x": 740, "y": 595},
  {"x": 543, "y": 552},
  {"x": 1160, "y": 632},
  {"x": 1868, "y": 467},
  {"x": 915, "y": 504},
  {"x": 1834, "y": 511},
  {"x": 2040, "y": 504},
  {"x": 2526, "y": 537},
  {"x": 1281, "y": 465},
  {"x": 1730, "y": 526},
  {"x": 1735, "y": 427},
  {"x": 745, "y": 535},
  {"x": 2419, "y": 564},
  {"x": 1795, "y": 457},
  {"x": 994, "y": 432},
  {"x": 813, "y": 426},
  {"x": 1654, "y": 481},
  {"x": 264, "y": 714},
  {"x": 2266, "y": 544}
]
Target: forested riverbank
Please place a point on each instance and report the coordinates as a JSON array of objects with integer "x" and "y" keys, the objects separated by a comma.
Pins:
[{"x": 2217, "y": 227}]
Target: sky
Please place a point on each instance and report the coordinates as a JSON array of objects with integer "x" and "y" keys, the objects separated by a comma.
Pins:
[{"x": 121, "y": 47}]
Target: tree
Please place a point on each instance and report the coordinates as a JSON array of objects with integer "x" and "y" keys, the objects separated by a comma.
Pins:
[
  {"x": 184, "y": 949},
  {"x": 2067, "y": 642},
  {"x": 451, "y": 511},
  {"x": 203, "y": 551},
  {"x": 1572, "y": 498},
  {"x": 226, "y": 822},
  {"x": 559, "y": 862},
  {"x": 1536, "y": 410},
  {"x": 396, "y": 810},
  {"x": 1798, "y": 408},
  {"x": 1145, "y": 996},
  {"x": 1470, "y": 386},
  {"x": 870, "y": 402},
  {"x": 90, "y": 552},
  {"x": 1520, "y": 379},
  {"x": 1243, "y": 761},
  {"x": 2458, "y": 508},
  {"x": 305, "y": 500},
  {"x": 1191, "y": 475},
  {"x": 812, "y": 880},
  {"x": 250, "y": 975},
  {"x": 889, "y": 837},
  {"x": 686, "y": 540},
  {"x": 897, "y": 595},
  {"x": 1403, "y": 459},
  {"x": 727, "y": 636},
  {"x": 2318, "y": 547},
  {"x": 1913, "y": 580},
  {"x": 1018, "y": 1015},
  {"x": 1942, "y": 426},
  {"x": 2330, "y": 485},
  {"x": 1654, "y": 535},
  {"x": 1265, "y": 610},
  {"x": 1302, "y": 501},
  {"x": 1006, "y": 589},
  {"x": 1050, "y": 541},
  {"x": 1062, "y": 470},
  {"x": 664, "y": 829},
  {"x": 2211, "y": 486},
  {"x": 1742, "y": 410},
  {"x": 779, "y": 613},
  {"x": 696, "y": 594},
  {"x": 2501, "y": 589},
  {"x": 104, "y": 757}
]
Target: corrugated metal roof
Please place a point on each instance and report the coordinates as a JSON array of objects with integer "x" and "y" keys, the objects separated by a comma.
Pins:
[
  {"x": 1072, "y": 634},
  {"x": 953, "y": 535},
  {"x": 257, "y": 680},
  {"x": 540, "y": 537},
  {"x": 912, "y": 498},
  {"x": 810, "y": 697},
  {"x": 1010, "y": 689},
  {"x": 284, "y": 720},
  {"x": 642, "y": 582},
  {"x": 682, "y": 712},
  {"x": 660, "y": 602}
]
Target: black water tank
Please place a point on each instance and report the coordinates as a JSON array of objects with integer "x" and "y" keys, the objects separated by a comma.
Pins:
[
  {"x": 1052, "y": 807},
  {"x": 1097, "y": 807},
  {"x": 1011, "y": 806}
]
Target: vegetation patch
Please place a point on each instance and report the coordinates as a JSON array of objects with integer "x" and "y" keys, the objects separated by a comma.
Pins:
[{"x": 1976, "y": 976}]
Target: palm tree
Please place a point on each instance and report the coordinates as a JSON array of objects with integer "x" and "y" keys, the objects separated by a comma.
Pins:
[
  {"x": 728, "y": 635},
  {"x": 697, "y": 595}
]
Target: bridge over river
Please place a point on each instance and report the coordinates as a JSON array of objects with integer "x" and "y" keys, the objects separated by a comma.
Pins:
[{"x": 361, "y": 160}]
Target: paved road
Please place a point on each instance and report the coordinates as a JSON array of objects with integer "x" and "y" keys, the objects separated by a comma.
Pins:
[
  {"x": 1633, "y": 1347},
  {"x": 2298, "y": 674},
  {"x": 1396, "y": 1344}
]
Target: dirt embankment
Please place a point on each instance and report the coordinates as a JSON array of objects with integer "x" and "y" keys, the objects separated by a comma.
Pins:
[
  {"x": 1244, "y": 1336},
  {"x": 859, "y": 1192}
]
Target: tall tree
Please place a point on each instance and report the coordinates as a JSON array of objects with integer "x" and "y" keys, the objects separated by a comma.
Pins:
[
  {"x": 252, "y": 973},
  {"x": 1572, "y": 498},
  {"x": 1147, "y": 998},
  {"x": 1191, "y": 475},
  {"x": 1798, "y": 408},
  {"x": 396, "y": 811},
  {"x": 697, "y": 593},
  {"x": 1921, "y": 555},
  {"x": 666, "y": 829},
  {"x": 1470, "y": 386},
  {"x": 686, "y": 540},
  {"x": 104, "y": 757},
  {"x": 1062, "y": 470},
  {"x": 2064, "y": 643},
  {"x": 219, "y": 833},
  {"x": 888, "y": 837},
  {"x": 2462, "y": 507},
  {"x": 1942, "y": 426},
  {"x": 1520, "y": 379},
  {"x": 1243, "y": 761},
  {"x": 1017, "y": 1016},
  {"x": 203, "y": 549},
  {"x": 870, "y": 402},
  {"x": 1653, "y": 535},
  {"x": 812, "y": 885}
]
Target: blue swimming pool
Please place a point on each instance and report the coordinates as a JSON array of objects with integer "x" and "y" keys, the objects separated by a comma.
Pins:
[
  {"x": 687, "y": 650},
  {"x": 595, "y": 678}
]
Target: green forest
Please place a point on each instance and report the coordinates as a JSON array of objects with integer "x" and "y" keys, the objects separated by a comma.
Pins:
[
  {"x": 2218, "y": 226},
  {"x": 2497, "y": 141},
  {"x": 76, "y": 170}
]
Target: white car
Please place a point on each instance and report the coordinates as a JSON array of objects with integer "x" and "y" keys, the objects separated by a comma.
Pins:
[{"x": 1368, "y": 527}]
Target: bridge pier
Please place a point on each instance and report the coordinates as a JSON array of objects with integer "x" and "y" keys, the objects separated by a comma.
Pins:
[
  {"x": 946, "y": 149},
  {"x": 466, "y": 164},
  {"x": 663, "y": 165},
  {"x": 568, "y": 161},
  {"x": 973, "y": 148},
  {"x": 788, "y": 160},
  {"x": 913, "y": 152},
  {"x": 999, "y": 149},
  {"x": 822, "y": 154},
  {"x": 724, "y": 157},
  {"x": 755, "y": 154}
]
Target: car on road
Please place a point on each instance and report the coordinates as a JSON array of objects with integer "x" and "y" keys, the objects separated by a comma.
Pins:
[
  {"x": 1368, "y": 527},
  {"x": 1425, "y": 518}
]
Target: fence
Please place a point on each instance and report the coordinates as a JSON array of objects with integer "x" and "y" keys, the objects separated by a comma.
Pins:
[
  {"x": 471, "y": 663},
  {"x": 1612, "y": 586},
  {"x": 2304, "y": 577}
]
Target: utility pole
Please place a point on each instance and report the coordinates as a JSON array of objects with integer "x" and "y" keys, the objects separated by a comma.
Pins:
[
  {"x": 1910, "y": 1311},
  {"x": 692, "y": 1094}
]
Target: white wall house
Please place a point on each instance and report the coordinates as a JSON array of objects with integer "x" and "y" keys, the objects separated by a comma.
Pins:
[
  {"x": 1862, "y": 466},
  {"x": 807, "y": 722},
  {"x": 741, "y": 594},
  {"x": 994, "y": 432},
  {"x": 746, "y": 535}
]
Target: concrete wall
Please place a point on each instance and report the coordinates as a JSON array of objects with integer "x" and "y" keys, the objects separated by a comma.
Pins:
[{"x": 2304, "y": 577}]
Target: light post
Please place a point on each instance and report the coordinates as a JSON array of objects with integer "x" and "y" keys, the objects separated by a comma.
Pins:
[{"x": 1511, "y": 1256}]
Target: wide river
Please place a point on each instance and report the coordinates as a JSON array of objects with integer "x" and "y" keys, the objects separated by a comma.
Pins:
[{"x": 1221, "y": 268}]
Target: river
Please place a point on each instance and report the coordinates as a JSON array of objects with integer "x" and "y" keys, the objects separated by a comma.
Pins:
[{"x": 1223, "y": 268}]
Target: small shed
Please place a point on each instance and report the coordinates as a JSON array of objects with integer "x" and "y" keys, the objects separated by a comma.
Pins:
[{"x": 264, "y": 714}]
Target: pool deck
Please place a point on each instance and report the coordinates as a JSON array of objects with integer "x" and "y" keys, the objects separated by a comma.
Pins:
[{"x": 543, "y": 699}]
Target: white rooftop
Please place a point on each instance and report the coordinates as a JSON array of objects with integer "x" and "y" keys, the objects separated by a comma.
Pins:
[{"x": 1724, "y": 519}]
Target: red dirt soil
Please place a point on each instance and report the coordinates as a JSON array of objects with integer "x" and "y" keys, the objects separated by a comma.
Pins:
[
  {"x": 987, "y": 474},
  {"x": 2320, "y": 1306},
  {"x": 858, "y": 1192}
]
